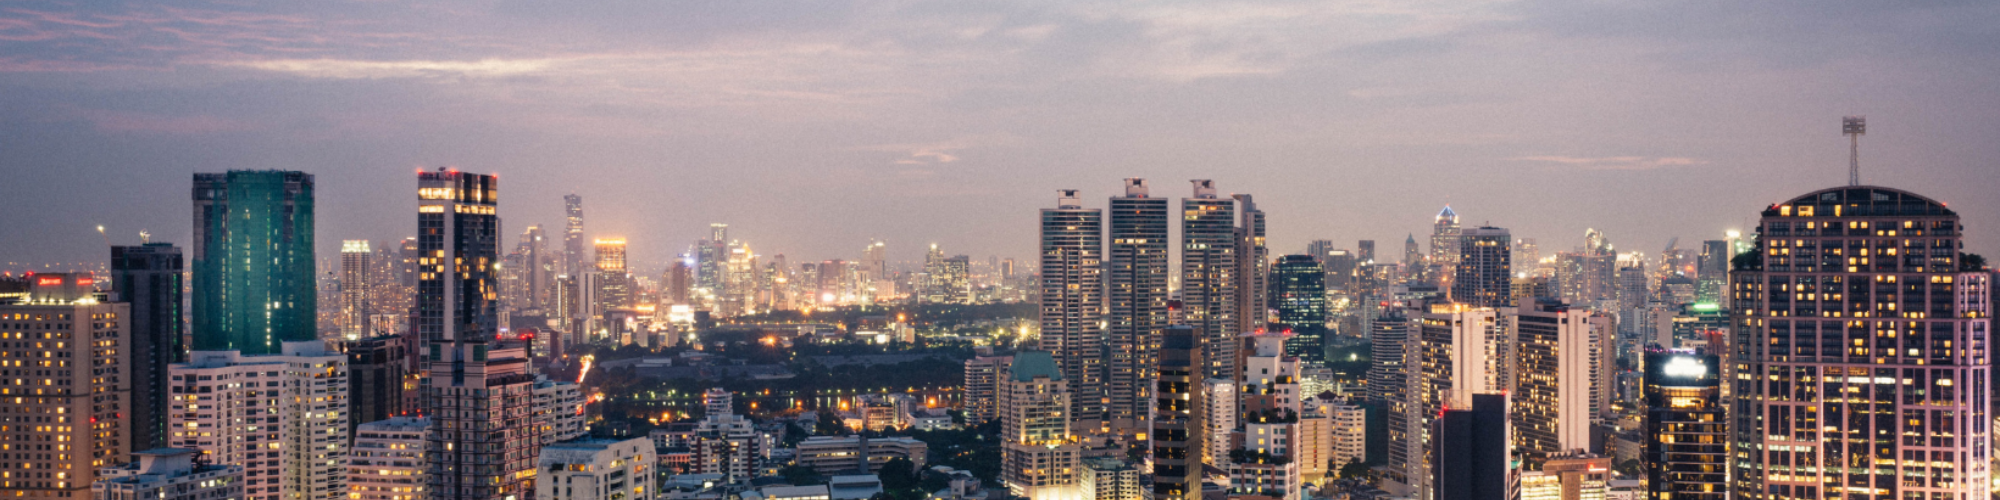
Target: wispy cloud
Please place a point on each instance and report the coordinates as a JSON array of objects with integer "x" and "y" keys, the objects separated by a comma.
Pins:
[
  {"x": 1615, "y": 162},
  {"x": 354, "y": 69}
]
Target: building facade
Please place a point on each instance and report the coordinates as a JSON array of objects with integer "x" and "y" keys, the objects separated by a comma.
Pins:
[
  {"x": 1687, "y": 439},
  {"x": 1072, "y": 246},
  {"x": 282, "y": 416},
  {"x": 1135, "y": 302},
  {"x": 1178, "y": 431},
  {"x": 65, "y": 378},
  {"x": 168, "y": 474},
  {"x": 1485, "y": 274},
  {"x": 1860, "y": 352},
  {"x": 253, "y": 280},
  {"x": 1039, "y": 455},
  {"x": 388, "y": 460},
  {"x": 1208, "y": 275},
  {"x": 598, "y": 469},
  {"x": 355, "y": 310},
  {"x": 148, "y": 277}
]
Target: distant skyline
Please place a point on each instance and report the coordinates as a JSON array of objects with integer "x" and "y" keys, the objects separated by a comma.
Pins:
[{"x": 813, "y": 128}]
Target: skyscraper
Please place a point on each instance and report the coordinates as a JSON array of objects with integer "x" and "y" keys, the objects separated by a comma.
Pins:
[
  {"x": 1462, "y": 353},
  {"x": 1413, "y": 256},
  {"x": 377, "y": 374},
  {"x": 1687, "y": 446},
  {"x": 1039, "y": 456},
  {"x": 1562, "y": 358},
  {"x": 148, "y": 277},
  {"x": 535, "y": 278},
  {"x": 1208, "y": 275},
  {"x": 1339, "y": 267},
  {"x": 1072, "y": 249},
  {"x": 1868, "y": 340},
  {"x": 354, "y": 287},
  {"x": 488, "y": 437},
  {"x": 1177, "y": 418},
  {"x": 1712, "y": 272},
  {"x": 1298, "y": 292},
  {"x": 66, "y": 423},
  {"x": 1135, "y": 304},
  {"x": 1394, "y": 356},
  {"x": 573, "y": 235},
  {"x": 253, "y": 261},
  {"x": 1253, "y": 268},
  {"x": 1364, "y": 251},
  {"x": 1444, "y": 238},
  {"x": 1484, "y": 276}
]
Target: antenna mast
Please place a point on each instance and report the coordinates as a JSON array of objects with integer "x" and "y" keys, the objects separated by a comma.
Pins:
[{"x": 1854, "y": 127}]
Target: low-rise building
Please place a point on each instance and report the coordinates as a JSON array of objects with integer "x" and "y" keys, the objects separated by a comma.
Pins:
[
  {"x": 168, "y": 474},
  {"x": 814, "y": 492},
  {"x": 597, "y": 469},
  {"x": 846, "y": 454},
  {"x": 856, "y": 487}
]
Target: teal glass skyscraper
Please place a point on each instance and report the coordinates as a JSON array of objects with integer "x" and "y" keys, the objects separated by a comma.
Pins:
[{"x": 253, "y": 261}]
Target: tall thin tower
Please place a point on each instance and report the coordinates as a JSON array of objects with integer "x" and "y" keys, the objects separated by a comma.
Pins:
[
  {"x": 1135, "y": 304},
  {"x": 1073, "y": 302},
  {"x": 573, "y": 235},
  {"x": 1854, "y": 127},
  {"x": 1208, "y": 275}
]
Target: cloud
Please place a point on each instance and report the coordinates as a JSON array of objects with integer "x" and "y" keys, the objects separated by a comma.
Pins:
[
  {"x": 356, "y": 69},
  {"x": 1615, "y": 162}
]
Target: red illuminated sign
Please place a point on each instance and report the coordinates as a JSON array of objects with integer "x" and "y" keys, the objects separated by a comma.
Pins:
[{"x": 49, "y": 281}]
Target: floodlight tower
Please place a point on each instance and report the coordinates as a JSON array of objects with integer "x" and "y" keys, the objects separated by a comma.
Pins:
[{"x": 1854, "y": 127}]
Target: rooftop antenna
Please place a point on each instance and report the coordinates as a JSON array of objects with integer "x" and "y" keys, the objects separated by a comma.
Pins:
[{"x": 1854, "y": 127}]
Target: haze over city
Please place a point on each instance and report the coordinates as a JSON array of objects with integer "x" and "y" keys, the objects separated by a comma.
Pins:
[{"x": 812, "y": 128}]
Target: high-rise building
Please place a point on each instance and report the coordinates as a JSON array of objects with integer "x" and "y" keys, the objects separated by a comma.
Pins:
[
  {"x": 612, "y": 286},
  {"x": 1463, "y": 353},
  {"x": 1107, "y": 478},
  {"x": 1413, "y": 255},
  {"x": 1485, "y": 274},
  {"x": 1135, "y": 304},
  {"x": 168, "y": 474},
  {"x": 1218, "y": 413},
  {"x": 1208, "y": 275},
  {"x": 1861, "y": 352},
  {"x": 875, "y": 257},
  {"x": 599, "y": 469},
  {"x": 1687, "y": 443},
  {"x": 406, "y": 272},
  {"x": 1444, "y": 238},
  {"x": 1178, "y": 435},
  {"x": 378, "y": 378},
  {"x": 148, "y": 277},
  {"x": 1364, "y": 251},
  {"x": 1298, "y": 292},
  {"x": 1339, "y": 266},
  {"x": 387, "y": 462},
  {"x": 1712, "y": 272},
  {"x": 1469, "y": 444},
  {"x": 1266, "y": 460},
  {"x": 479, "y": 389},
  {"x": 354, "y": 289},
  {"x": 982, "y": 385},
  {"x": 1561, "y": 379},
  {"x": 1039, "y": 456},
  {"x": 680, "y": 280},
  {"x": 573, "y": 236},
  {"x": 1253, "y": 268},
  {"x": 1526, "y": 253},
  {"x": 253, "y": 261},
  {"x": 1072, "y": 249},
  {"x": 70, "y": 415},
  {"x": 282, "y": 416}
]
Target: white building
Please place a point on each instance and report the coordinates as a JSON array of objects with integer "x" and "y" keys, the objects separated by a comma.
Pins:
[
  {"x": 1039, "y": 456},
  {"x": 1350, "y": 433},
  {"x": 717, "y": 402},
  {"x": 597, "y": 469},
  {"x": 1219, "y": 399},
  {"x": 1267, "y": 461},
  {"x": 283, "y": 417},
  {"x": 387, "y": 462},
  {"x": 1110, "y": 479},
  {"x": 168, "y": 474},
  {"x": 729, "y": 445}
]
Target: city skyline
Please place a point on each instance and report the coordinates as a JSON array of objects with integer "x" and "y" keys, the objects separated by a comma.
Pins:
[{"x": 815, "y": 131}]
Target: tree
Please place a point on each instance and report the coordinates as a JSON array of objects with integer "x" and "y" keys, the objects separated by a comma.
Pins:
[
  {"x": 829, "y": 424},
  {"x": 1630, "y": 468},
  {"x": 1353, "y": 470},
  {"x": 899, "y": 474},
  {"x": 800, "y": 475}
]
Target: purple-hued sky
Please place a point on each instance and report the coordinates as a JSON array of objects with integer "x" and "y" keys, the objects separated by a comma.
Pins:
[{"x": 812, "y": 127}]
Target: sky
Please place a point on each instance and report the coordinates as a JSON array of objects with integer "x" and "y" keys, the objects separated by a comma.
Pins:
[{"x": 813, "y": 127}]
